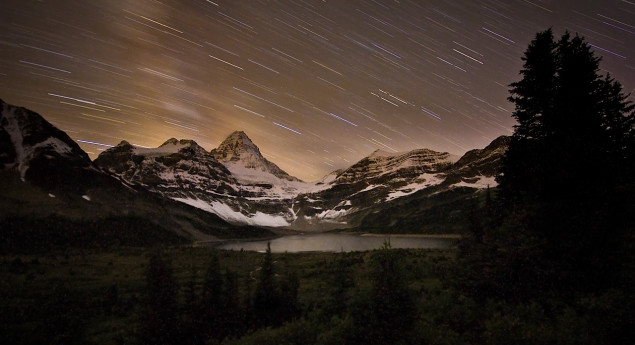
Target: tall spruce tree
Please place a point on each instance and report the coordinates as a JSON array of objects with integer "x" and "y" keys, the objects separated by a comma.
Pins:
[
  {"x": 160, "y": 319},
  {"x": 568, "y": 157},
  {"x": 267, "y": 297},
  {"x": 387, "y": 315},
  {"x": 212, "y": 300}
]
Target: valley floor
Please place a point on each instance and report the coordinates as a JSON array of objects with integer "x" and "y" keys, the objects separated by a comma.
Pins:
[{"x": 95, "y": 296}]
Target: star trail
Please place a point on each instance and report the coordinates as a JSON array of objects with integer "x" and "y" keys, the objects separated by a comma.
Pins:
[{"x": 315, "y": 84}]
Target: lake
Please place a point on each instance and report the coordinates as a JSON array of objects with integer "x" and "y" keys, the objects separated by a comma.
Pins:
[{"x": 337, "y": 242}]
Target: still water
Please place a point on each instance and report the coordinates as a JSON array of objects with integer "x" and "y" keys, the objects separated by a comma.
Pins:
[{"x": 336, "y": 242}]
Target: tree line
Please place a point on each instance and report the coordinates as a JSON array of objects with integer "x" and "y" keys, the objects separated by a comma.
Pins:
[{"x": 214, "y": 309}]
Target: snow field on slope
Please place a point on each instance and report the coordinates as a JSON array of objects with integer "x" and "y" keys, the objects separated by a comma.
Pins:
[{"x": 229, "y": 215}]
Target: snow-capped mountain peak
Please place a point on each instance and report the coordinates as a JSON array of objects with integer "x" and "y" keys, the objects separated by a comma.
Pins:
[
  {"x": 386, "y": 166},
  {"x": 243, "y": 158},
  {"x": 236, "y": 146},
  {"x": 171, "y": 146}
]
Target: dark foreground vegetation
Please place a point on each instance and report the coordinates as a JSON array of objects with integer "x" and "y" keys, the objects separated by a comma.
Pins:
[
  {"x": 547, "y": 258},
  {"x": 202, "y": 296}
]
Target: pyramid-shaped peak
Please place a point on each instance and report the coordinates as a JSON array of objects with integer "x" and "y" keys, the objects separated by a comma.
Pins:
[
  {"x": 237, "y": 139},
  {"x": 124, "y": 143},
  {"x": 239, "y": 151},
  {"x": 241, "y": 134},
  {"x": 234, "y": 146}
]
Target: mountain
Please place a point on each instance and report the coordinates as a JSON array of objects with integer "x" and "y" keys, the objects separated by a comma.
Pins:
[
  {"x": 235, "y": 182},
  {"x": 382, "y": 166},
  {"x": 37, "y": 150},
  {"x": 479, "y": 166},
  {"x": 417, "y": 191},
  {"x": 52, "y": 194},
  {"x": 244, "y": 189},
  {"x": 177, "y": 166},
  {"x": 439, "y": 204},
  {"x": 243, "y": 158},
  {"x": 377, "y": 178}
]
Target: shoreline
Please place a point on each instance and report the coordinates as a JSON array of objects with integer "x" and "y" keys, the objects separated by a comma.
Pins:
[
  {"x": 433, "y": 236},
  {"x": 216, "y": 242}
]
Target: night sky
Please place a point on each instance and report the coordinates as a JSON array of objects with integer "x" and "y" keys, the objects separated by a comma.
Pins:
[{"x": 317, "y": 85}]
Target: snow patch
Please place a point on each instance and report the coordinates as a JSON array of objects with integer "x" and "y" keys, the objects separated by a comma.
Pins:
[
  {"x": 344, "y": 203},
  {"x": 427, "y": 180},
  {"x": 483, "y": 182},
  {"x": 159, "y": 151},
  {"x": 250, "y": 178},
  {"x": 370, "y": 187},
  {"x": 332, "y": 214},
  {"x": 406, "y": 190},
  {"x": 58, "y": 146},
  {"x": 229, "y": 215}
]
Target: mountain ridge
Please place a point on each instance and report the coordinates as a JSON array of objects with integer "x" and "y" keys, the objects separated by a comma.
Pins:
[
  {"x": 51, "y": 193},
  {"x": 236, "y": 183},
  {"x": 253, "y": 193}
]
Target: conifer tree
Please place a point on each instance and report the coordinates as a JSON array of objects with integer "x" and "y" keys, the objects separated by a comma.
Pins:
[
  {"x": 568, "y": 155},
  {"x": 232, "y": 317},
  {"x": 340, "y": 282},
  {"x": 212, "y": 300},
  {"x": 388, "y": 314},
  {"x": 289, "y": 286},
  {"x": 160, "y": 321},
  {"x": 192, "y": 321},
  {"x": 267, "y": 295}
]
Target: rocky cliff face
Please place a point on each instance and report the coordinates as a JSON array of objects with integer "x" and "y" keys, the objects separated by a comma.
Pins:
[
  {"x": 177, "y": 167},
  {"x": 37, "y": 150},
  {"x": 382, "y": 167},
  {"x": 243, "y": 158}
]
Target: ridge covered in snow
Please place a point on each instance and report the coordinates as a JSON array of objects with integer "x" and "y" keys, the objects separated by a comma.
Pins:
[
  {"x": 235, "y": 181},
  {"x": 238, "y": 184}
]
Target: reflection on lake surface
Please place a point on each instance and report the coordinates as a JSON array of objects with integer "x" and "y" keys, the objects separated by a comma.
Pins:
[{"x": 336, "y": 242}]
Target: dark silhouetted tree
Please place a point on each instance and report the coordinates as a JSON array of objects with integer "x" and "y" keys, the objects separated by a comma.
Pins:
[
  {"x": 193, "y": 325},
  {"x": 388, "y": 314},
  {"x": 569, "y": 154},
  {"x": 231, "y": 321},
  {"x": 267, "y": 297},
  {"x": 160, "y": 320},
  {"x": 339, "y": 283},
  {"x": 276, "y": 297},
  {"x": 289, "y": 285},
  {"x": 212, "y": 300}
]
